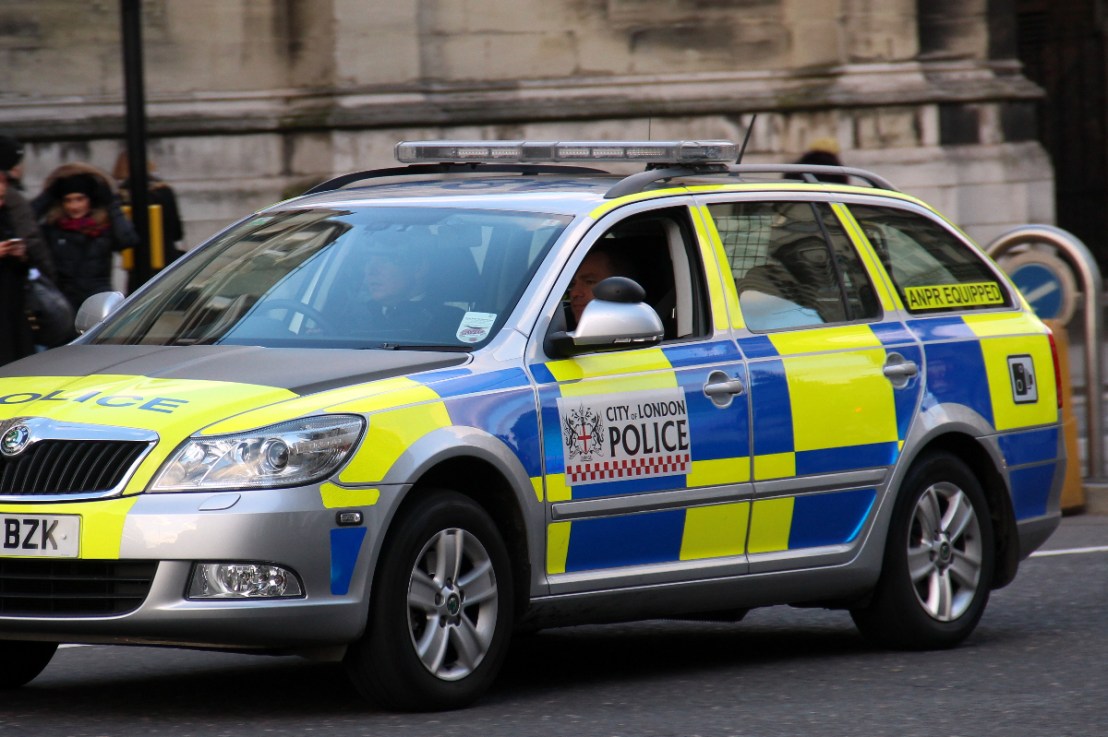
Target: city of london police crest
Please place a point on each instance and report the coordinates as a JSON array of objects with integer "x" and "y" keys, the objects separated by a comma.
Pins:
[{"x": 583, "y": 434}]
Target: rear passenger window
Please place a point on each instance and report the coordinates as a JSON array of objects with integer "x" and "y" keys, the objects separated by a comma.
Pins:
[
  {"x": 793, "y": 265},
  {"x": 933, "y": 270}
]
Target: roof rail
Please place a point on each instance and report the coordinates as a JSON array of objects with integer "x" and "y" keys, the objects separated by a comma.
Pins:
[
  {"x": 631, "y": 184},
  {"x": 813, "y": 170},
  {"x": 809, "y": 173},
  {"x": 476, "y": 167}
]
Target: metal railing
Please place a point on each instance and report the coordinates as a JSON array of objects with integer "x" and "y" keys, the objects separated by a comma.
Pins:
[{"x": 1081, "y": 260}]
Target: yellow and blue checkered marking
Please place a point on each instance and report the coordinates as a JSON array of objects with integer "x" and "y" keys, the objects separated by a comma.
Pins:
[
  {"x": 895, "y": 337},
  {"x": 499, "y": 402},
  {"x": 806, "y": 422},
  {"x": 719, "y": 439},
  {"x": 809, "y": 521},
  {"x": 763, "y": 526},
  {"x": 1031, "y": 489},
  {"x": 1033, "y": 460},
  {"x": 345, "y": 544},
  {"x": 967, "y": 364},
  {"x": 786, "y": 376},
  {"x": 724, "y": 437},
  {"x": 955, "y": 365}
]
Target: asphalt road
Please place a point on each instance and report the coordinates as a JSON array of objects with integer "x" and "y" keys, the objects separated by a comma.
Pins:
[{"x": 1037, "y": 666}]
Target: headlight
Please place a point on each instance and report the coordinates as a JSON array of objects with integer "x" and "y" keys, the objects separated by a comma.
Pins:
[{"x": 287, "y": 454}]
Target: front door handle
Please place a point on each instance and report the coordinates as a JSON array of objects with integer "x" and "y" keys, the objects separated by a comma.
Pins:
[{"x": 721, "y": 388}]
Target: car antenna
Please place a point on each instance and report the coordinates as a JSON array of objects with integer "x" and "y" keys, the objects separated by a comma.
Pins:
[{"x": 746, "y": 138}]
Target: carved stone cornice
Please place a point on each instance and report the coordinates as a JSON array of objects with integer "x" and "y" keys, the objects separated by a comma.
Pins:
[{"x": 577, "y": 98}]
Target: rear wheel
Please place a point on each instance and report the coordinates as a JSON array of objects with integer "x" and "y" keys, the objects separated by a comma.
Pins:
[
  {"x": 23, "y": 661},
  {"x": 939, "y": 558},
  {"x": 441, "y": 614}
]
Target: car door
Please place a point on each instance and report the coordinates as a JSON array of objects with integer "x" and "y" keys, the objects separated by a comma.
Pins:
[
  {"x": 833, "y": 376},
  {"x": 646, "y": 450}
]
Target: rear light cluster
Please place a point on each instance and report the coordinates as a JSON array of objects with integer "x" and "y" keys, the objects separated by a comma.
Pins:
[{"x": 1057, "y": 369}]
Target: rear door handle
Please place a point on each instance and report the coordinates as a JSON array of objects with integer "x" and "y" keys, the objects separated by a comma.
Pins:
[{"x": 899, "y": 369}]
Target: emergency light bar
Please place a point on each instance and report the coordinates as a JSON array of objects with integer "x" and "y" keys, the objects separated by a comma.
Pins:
[{"x": 534, "y": 152}]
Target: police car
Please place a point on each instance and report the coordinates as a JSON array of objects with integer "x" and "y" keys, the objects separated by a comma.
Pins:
[{"x": 377, "y": 423}]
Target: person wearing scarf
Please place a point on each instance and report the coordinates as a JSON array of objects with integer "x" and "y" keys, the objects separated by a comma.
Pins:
[{"x": 84, "y": 225}]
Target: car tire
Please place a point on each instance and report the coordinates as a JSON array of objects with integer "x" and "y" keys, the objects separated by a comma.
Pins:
[
  {"x": 23, "y": 661},
  {"x": 939, "y": 560},
  {"x": 441, "y": 611}
]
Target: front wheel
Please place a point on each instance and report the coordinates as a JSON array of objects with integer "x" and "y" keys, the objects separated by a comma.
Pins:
[
  {"x": 441, "y": 614},
  {"x": 938, "y": 566},
  {"x": 23, "y": 661}
]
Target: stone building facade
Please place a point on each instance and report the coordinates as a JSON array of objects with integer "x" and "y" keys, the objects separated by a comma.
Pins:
[{"x": 251, "y": 100}]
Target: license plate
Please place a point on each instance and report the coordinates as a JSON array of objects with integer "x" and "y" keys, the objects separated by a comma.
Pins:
[{"x": 40, "y": 536}]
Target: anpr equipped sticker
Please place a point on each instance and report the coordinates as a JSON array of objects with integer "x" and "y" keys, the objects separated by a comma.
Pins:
[
  {"x": 953, "y": 296},
  {"x": 630, "y": 436}
]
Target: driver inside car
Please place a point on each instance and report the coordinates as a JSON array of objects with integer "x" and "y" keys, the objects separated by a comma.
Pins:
[
  {"x": 600, "y": 263},
  {"x": 395, "y": 294}
]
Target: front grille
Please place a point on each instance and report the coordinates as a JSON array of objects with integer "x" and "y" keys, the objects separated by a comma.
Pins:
[
  {"x": 68, "y": 467},
  {"x": 40, "y": 588}
]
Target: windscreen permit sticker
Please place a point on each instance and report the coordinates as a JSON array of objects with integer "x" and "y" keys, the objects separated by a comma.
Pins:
[
  {"x": 953, "y": 296},
  {"x": 475, "y": 326}
]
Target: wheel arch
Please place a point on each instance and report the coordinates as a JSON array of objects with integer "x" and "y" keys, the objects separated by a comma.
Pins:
[
  {"x": 479, "y": 466},
  {"x": 971, "y": 451},
  {"x": 482, "y": 482}
]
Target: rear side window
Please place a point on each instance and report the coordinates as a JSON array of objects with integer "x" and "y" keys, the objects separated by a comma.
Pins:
[
  {"x": 932, "y": 269},
  {"x": 793, "y": 265}
]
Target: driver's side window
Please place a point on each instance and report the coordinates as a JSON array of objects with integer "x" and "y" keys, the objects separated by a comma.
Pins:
[{"x": 657, "y": 251}]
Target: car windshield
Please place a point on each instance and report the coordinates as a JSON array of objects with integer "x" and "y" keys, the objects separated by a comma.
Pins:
[{"x": 380, "y": 277}]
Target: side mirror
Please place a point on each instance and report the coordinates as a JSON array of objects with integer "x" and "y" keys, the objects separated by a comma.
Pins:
[
  {"x": 617, "y": 317},
  {"x": 96, "y": 309}
]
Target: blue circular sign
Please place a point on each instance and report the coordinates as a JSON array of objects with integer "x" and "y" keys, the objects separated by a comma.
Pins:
[{"x": 1042, "y": 288}]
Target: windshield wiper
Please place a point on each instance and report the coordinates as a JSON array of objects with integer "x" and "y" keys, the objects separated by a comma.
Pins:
[{"x": 417, "y": 347}]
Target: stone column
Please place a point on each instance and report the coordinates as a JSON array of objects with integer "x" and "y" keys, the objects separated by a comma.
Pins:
[
  {"x": 881, "y": 30},
  {"x": 818, "y": 30},
  {"x": 953, "y": 29},
  {"x": 376, "y": 43}
]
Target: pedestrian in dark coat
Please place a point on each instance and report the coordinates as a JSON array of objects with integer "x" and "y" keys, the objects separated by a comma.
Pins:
[
  {"x": 158, "y": 193},
  {"x": 19, "y": 209},
  {"x": 84, "y": 225},
  {"x": 822, "y": 152},
  {"x": 17, "y": 231},
  {"x": 11, "y": 161}
]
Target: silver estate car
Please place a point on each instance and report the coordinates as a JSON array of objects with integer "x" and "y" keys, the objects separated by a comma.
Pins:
[{"x": 393, "y": 420}]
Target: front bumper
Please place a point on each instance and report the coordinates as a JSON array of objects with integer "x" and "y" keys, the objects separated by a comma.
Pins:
[{"x": 287, "y": 527}]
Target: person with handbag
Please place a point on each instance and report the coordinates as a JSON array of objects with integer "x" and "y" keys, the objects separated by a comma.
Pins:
[{"x": 21, "y": 249}]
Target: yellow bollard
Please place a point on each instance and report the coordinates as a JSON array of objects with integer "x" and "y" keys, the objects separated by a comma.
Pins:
[
  {"x": 157, "y": 255},
  {"x": 1073, "y": 491}
]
